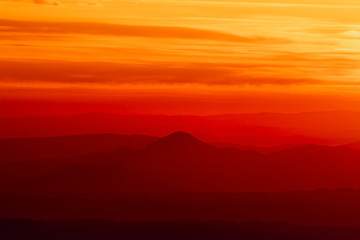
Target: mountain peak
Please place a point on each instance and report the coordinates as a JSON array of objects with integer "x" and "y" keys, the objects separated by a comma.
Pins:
[
  {"x": 178, "y": 140},
  {"x": 180, "y": 135}
]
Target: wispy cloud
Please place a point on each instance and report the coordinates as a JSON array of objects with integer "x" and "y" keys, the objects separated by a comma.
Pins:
[
  {"x": 49, "y": 2},
  {"x": 129, "y": 31},
  {"x": 148, "y": 73},
  {"x": 40, "y": 2},
  {"x": 90, "y": 4},
  {"x": 267, "y": 4}
]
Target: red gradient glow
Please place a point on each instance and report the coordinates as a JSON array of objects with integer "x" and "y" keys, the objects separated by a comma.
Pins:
[{"x": 178, "y": 57}]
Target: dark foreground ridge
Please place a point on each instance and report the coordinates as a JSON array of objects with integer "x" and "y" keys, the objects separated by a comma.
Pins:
[
  {"x": 175, "y": 187},
  {"x": 317, "y": 208},
  {"x": 17, "y": 229}
]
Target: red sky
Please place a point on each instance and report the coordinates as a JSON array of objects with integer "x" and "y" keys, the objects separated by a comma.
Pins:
[{"x": 178, "y": 57}]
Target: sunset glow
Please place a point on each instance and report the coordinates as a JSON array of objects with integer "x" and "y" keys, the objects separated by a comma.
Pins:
[
  {"x": 180, "y": 57},
  {"x": 180, "y": 119}
]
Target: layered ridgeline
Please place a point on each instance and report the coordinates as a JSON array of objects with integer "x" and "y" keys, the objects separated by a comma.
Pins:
[
  {"x": 179, "y": 162},
  {"x": 261, "y": 129}
]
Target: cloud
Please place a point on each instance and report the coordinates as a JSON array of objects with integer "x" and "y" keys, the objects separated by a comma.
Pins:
[
  {"x": 285, "y": 69},
  {"x": 352, "y": 34},
  {"x": 338, "y": 31},
  {"x": 90, "y": 4},
  {"x": 40, "y": 2},
  {"x": 119, "y": 30},
  {"x": 49, "y": 2},
  {"x": 286, "y": 4},
  {"x": 149, "y": 73}
]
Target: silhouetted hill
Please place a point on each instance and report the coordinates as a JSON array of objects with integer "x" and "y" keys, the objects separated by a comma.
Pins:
[
  {"x": 178, "y": 141},
  {"x": 259, "y": 149},
  {"x": 94, "y": 179},
  {"x": 354, "y": 145},
  {"x": 262, "y": 129},
  {"x": 178, "y": 145},
  {"x": 180, "y": 162},
  {"x": 317, "y": 151},
  {"x": 29, "y": 149}
]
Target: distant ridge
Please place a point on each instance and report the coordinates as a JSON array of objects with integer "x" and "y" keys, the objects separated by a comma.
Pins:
[
  {"x": 44, "y": 148},
  {"x": 262, "y": 129},
  {"x": 175, "y": 162}
]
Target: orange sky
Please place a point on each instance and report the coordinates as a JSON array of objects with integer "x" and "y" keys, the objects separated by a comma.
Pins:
[{"x": 179, "y": 57}]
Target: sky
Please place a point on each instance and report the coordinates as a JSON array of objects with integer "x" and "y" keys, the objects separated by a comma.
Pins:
[{"x": 178, "y": 57}]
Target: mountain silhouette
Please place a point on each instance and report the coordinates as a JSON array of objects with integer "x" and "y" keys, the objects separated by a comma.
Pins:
[
  {"x": 244, "y": 129},
  {"x": 176, "y": 162},
  {"x": 178, "y": 139},
  {"x": 179, "y": 143},
  {"x": 318, "y": 154},
  {"x": 181, "y": 162},
  {"x": 354, "y": 145},
  {"x": 94, "y": 179},
  {"x": 30, "y": 149}
]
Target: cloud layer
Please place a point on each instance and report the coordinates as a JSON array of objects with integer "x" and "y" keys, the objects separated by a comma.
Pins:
[
  {"x": 120, "y": 30},
  {"x": 49, "y": 2}
]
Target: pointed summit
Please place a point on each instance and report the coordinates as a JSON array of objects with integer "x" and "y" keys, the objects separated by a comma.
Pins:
[
  {"x": 179, "y": 141},
  {"x": 180, "y": 136}
]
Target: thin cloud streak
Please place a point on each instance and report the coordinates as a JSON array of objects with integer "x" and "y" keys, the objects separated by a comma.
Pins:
[
  {"x": 128, "y": 31},
  {"x": 173, "y": 74},
  {"x": 265, "y": 4}
]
